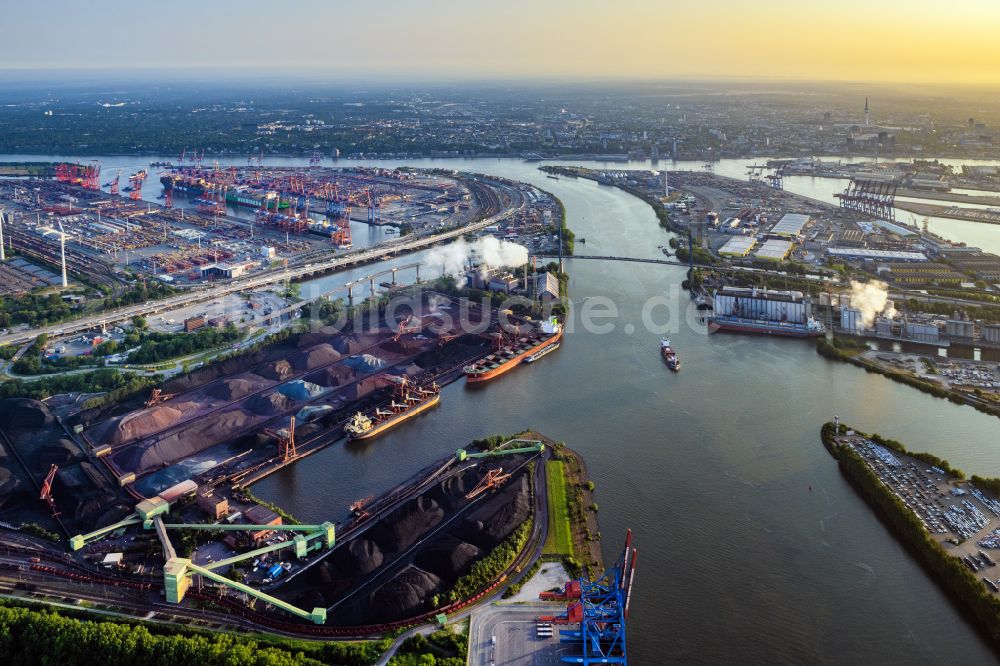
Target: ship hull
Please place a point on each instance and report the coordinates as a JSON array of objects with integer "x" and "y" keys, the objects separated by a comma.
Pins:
[
  {"x": 512, "y": 362},
  {"x": 395, "y": 420},
  {"x": 762, "y": 328}
]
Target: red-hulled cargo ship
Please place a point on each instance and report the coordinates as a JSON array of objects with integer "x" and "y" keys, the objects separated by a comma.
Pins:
[{"x": 510, "y": 356}]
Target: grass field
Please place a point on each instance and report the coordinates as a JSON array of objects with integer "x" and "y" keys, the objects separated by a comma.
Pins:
[{"x": 559, "y": 540}]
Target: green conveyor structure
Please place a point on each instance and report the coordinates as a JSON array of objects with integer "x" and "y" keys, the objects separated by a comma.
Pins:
[
  {"x": 80, "y": 540},
  {"x": 529, "y": 446},
  {"x": 177, "y": 571}
]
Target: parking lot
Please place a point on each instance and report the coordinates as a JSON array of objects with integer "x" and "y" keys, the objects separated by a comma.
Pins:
[
  {"x": 509, "y": 635},
  {"x": 962, "y": 518}
]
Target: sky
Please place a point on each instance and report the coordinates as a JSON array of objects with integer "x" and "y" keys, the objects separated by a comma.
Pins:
[{"x": 909, "y": 41}]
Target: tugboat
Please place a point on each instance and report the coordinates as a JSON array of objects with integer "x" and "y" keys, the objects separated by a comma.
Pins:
[
  {"x": 410, "y": 403},
  {"x": 669, "y": 355}
]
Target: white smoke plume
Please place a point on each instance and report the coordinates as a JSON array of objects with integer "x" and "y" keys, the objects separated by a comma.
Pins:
[
  {"x": 454, "y": 257},
  {"x": 870, "y": 299}
]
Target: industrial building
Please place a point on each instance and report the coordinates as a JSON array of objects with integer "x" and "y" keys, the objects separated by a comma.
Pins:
[
  {"x": 765, "y": 304},
  {"x": 923, "y": 273},
  {"x": 789, "y": 226},
  {"x": 875, "y": 255},
  {"x": 959, "y": 328},
  {"x": 738, "y": 246},
  {"x": 216, "y": 507},
  {"x": 775, "y": 250},
  {"x": 224, "y": 270},
  {"x": 898, "y": 230},
  {"x": 546, "y": 287}
]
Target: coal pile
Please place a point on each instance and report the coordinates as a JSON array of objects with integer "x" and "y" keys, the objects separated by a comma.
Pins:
[
  {"x": 448, "y": 556},
  {"x": 404, "y": 595},
  {"x": 496, "y": 518},
  {"x": 25, "y": 414},
  {"x": 83, "y": 496},
  {"x": 402, "y": 528},
  {"x": 432, "y": 568}
]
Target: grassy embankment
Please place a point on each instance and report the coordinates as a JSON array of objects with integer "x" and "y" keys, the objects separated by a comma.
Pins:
[
  {"x": 963, "y": 586},
  {"x": 559, "y": 540}
]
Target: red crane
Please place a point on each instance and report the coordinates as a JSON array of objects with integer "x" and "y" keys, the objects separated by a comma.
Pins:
[
  {"x": 286, "y": 441},
  {"x": 46, "y": 493},
  {"x": 358, "y": 507},
  {"x": 114, "y": 183},
  {"x": 92, "y": 176},
  {"x": 158, "y": 396},
  {"x": 493, "y": 479},
  {"x": 135, "y": 184}
]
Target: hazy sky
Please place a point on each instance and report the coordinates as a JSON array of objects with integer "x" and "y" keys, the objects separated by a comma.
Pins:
[{"x": 866, "y": 40}]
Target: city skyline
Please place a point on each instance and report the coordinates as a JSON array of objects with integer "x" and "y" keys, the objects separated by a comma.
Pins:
[{"x": 443, "y": 39}]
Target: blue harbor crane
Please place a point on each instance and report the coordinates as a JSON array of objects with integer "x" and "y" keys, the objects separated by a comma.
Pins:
[{"x": 603, "y": 608}]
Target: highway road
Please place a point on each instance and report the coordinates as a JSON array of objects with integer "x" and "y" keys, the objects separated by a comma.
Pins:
[{"x": 200, "y": 295}]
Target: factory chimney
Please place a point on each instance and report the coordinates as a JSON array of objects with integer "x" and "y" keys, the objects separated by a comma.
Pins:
[
  {"x": 868, "y": 119},
  {"x": 3, "y": 256}
]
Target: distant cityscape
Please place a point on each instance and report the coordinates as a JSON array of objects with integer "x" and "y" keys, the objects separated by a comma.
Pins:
[{"x": 689, "y": 121}]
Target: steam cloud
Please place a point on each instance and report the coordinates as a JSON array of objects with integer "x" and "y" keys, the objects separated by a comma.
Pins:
[
  {"x": 454, "y": 258},
  {"x": 870, "y": 299}
]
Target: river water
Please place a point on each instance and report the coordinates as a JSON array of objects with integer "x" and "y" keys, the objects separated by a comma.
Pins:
[{"x": 752, "y": 547}]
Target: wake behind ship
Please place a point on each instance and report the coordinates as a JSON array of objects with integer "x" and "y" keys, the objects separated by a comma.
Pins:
[
  {"x": 764, "y": 311},
  {"x": 527, "y": 348}
]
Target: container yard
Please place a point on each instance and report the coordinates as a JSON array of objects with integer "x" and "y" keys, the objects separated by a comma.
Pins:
[{"x": 239, "y": 219}]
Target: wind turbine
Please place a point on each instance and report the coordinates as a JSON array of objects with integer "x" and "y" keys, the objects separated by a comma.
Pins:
[{"x": 62, "y": 251}]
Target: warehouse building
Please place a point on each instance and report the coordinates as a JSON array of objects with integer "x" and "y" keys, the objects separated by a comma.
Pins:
[
  {"x": 775, "y": 250},
  {"x": 789, "y": 226},
  {"x": 738, "y": 246}
]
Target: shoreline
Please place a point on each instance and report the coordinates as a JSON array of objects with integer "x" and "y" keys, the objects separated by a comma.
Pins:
[
  {"x": 830, "y": 351},
  {"x": 964, "y": 587}
]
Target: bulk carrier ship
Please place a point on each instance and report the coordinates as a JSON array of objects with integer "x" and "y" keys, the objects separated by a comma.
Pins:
[
  {"x": 528, "y": 348},
  {"x": 764, "y": 311},
  {"x": 410, "y": 403}
]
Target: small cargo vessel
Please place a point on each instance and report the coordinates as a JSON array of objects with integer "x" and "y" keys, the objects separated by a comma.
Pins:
[
  {"x": 669, "y": 355},
  {"x": 509, "y": 356},
  {"x": 406, "y": 403}
]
